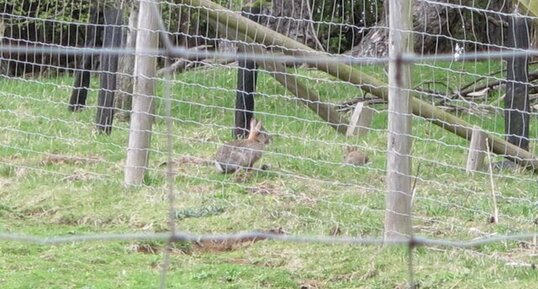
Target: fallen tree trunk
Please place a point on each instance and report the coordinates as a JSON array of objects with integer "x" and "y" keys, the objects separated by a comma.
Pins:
[
  {"x": 261, "y": 34},
  {"x": 308, "y": 96}
]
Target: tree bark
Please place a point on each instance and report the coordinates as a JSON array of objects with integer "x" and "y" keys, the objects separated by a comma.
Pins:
[
  {"x": 516, "y": 102},
  {"x": 293, "y": 19},
  {"x": 79, "y": 94},
  {"x": 439, "y": 27},
  {"x": 109, "y": 68},
  {"x": 124, "y": 97}
]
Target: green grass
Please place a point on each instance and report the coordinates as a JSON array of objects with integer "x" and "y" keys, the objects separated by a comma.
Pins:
[{"x": 306, "y": 192}]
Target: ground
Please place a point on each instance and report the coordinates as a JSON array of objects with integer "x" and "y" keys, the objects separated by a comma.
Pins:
[{"x": 59, "y": 178}]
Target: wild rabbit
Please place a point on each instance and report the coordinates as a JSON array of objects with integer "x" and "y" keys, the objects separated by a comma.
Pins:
[
  {"x": 242, "y": 153},
  {"x": 355, "y": 157}
]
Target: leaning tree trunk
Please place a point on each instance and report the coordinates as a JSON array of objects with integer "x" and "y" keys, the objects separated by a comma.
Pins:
[{"x": 439, "y": 26}]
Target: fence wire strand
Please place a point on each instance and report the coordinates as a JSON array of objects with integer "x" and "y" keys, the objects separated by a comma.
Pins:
[{"x": 308, "y": 186}]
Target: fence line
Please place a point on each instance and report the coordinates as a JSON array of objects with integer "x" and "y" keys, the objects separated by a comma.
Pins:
[
  {"x": 180, "y": 236},
  {"x": 310, "y": 58},
  {"x": 315, "y": 176}
]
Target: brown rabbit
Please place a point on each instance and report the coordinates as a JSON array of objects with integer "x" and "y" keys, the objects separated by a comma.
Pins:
[
  {"x": 242, "y": 153},
  {"x": 355, "y": 157}
]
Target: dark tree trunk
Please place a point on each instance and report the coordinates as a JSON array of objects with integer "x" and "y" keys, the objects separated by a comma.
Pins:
[
  {"x": 439, "y": 27},
  {"x": 246, "y": 86},
  {"x": 82, "y": 75},
  {"x": 292, "y": 18},
  {"x": 244, "y": 100},
  {"x": 288, "y": 17},
  {"x": 109, "y": 67},
  {"x": 516, "y": 102}
]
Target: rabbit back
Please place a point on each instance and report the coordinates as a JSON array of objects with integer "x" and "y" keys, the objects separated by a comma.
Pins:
[
  {"x": 238, "y": 154},
  {"x": 356, "y": 158}
]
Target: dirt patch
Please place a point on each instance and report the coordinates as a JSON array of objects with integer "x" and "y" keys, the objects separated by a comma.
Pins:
[
  {"x": 199, "y": 212},
  {"x": 184, "y": 164},
  {"x": 311, "y": 284},
  {"x": 266, "y": 188},
  {"x": 144, "y": 248},
  {"x": 188, "y": 160},
  {"x": 36, "y": 212},
  {"x": 239, "y": 261},
  {"x": 204, "y": 246},
  {"x": 79, "y": 176},
  {"x": 335, "y": 231},
  {"x": 157, "y": 247},
  {"x": 230, "y": 245},
  {"x": 53, "y": 159}
]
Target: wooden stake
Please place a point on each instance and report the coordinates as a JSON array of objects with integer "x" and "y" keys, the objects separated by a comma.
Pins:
[
  {"x": 361, "y": 120},
  {"x": 477, "y": 151}
]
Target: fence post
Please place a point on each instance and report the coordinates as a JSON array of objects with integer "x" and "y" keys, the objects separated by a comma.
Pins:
[
  {"x": 398, "y": 199},
  {"x": 477, "y": 151},
  {"x": 147, "y": 38}
]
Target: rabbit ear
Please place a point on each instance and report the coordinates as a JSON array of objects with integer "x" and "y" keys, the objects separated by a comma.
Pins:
[
  {"x": 253, "y": 129},
  {"x": 252, "y": 124},
  {"x": 258, "y": 126}
]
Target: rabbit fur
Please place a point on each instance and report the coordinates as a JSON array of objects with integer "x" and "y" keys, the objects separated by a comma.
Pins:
[
  {"x": 355, "y": 157},
  {"x": 242, "y": 153}
]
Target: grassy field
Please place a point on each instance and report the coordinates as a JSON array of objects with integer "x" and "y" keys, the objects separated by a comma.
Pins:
[{"x": 59, "y": 178}]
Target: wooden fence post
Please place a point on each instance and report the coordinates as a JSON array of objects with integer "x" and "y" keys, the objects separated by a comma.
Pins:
[
  {"x": 477, "y": 151},
  {"x": 147, "y": 39},
  {"x": 398, "y": 199}
]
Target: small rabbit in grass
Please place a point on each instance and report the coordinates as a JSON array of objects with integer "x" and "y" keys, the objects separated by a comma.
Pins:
[
  {"x": 353, "y": 156},
  {"x": 242, "y": 153}
]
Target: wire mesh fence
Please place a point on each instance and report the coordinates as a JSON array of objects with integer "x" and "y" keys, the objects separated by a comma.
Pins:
[{"x": 71, "y": 83}]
